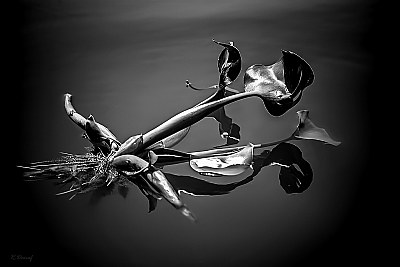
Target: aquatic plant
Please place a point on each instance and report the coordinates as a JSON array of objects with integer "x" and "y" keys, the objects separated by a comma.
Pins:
[{"x": 139, "y": 159}]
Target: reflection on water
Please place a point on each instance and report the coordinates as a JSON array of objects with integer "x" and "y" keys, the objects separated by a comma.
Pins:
[
  {"x": 284, "y": 154},
  {"x": 295, "y": 176}
]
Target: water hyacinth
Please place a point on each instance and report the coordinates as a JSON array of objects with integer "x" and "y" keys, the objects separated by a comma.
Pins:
[{"x": 139, "y": 160}]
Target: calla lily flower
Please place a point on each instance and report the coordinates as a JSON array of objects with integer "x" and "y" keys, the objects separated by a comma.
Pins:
[
  {"x": 282, "y": 82},
  {"x": 229, "y": 63},
  {"x": 279, "y": 86}
]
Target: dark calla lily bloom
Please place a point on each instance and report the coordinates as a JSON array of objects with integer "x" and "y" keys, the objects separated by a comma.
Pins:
[
  {"x": 282, "y": 82},
  {"x": 229, "y": 63}
]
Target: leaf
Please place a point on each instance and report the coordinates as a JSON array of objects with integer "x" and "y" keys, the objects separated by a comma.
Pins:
[
  {"x": 308, "y": 130},
  {"x": 158, "y": 180},
  {"x": 229, "y": 63},
  {"x": 280, "y": 84},
  {"x": 292, "y": 179},
  {"x": 233, "y": 164}
]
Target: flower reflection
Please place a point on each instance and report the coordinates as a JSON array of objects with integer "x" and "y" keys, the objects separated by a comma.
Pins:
[{"x": 295, "y": 176}]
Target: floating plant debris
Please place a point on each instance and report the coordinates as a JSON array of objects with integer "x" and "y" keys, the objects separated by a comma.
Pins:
[{"x": 139, "y": 160}]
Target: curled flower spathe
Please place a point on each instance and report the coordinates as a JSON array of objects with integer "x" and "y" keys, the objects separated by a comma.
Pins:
[
  {"x": 281, "y": 83},
  {"x": 229, "y": 63}
]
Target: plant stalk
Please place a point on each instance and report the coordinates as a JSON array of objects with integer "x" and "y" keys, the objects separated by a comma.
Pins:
[
  {"x": 187, "y": 118},
  {"x": 229, "y": 150}
]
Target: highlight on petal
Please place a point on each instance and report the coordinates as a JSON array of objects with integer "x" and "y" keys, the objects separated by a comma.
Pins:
[
  {"x": 280, "y": 84},
  {"x": 308, "y": 130},
  {"x": 230, "y": 165},
  {"x": 229, "y": 63}
]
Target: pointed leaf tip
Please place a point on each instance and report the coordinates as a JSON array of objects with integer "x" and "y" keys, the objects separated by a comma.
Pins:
[{"x": 306, "y": 129}]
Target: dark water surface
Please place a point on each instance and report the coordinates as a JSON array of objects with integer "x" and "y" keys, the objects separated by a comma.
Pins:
[{"x": 126, "y": 63}]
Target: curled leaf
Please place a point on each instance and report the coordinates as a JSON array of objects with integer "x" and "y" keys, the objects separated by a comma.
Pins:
[
  {"x": 229, "y": 63},
  {"x": 280, "y": 84},
  {"x": 296, "y": 173},
  {"x": 233, "y": 164},
  {"x": 308, "y": 130}
]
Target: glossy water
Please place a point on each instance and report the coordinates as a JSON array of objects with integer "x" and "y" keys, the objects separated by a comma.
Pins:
[{"x": 127, "y": 64}]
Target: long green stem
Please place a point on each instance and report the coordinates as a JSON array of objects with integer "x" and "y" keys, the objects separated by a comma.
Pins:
[
  {"x": 187, "y": 118},
  {"x": 229, "y": 150}
]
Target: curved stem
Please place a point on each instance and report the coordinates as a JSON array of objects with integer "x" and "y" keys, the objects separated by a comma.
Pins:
[
  {"x": 229, "y": 150},
  {"x": 189, "y": 84},
  {"x": 274, "y": 143},
  {"x": 187, "y": 118},
  {"x": 77, "y": 118}
]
